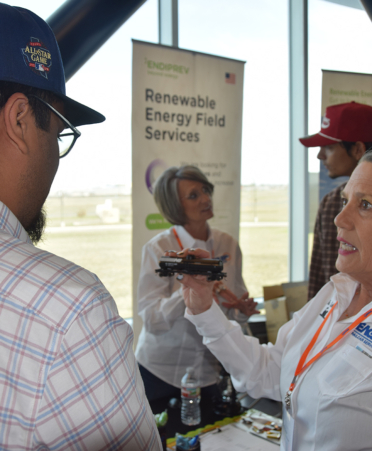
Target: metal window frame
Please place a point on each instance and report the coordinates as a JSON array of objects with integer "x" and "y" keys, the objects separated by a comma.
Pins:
[
  {"x": 298, "y": 160},
  {"x": 168, "y": 22}
]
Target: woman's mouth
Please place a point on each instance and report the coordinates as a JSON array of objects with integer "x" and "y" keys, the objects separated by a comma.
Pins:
[{"x": 345, "y": 247}]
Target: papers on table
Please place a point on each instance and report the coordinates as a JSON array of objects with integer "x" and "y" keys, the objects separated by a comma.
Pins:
[
  {"x": 234, "y": 437},
  {"x": 241, "y": 436},
  {"x": 249, "y": 433}
]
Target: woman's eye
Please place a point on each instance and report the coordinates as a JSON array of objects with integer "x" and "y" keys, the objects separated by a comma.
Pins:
[
  {"x": 193, "y": 196},
  {"x": 344, "y": 202},
  {"x": 365, "y": 204}
]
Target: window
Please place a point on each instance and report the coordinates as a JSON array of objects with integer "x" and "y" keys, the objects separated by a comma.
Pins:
[
  {"x": 340, "y": 38},
  {"x": 256, "y": 32},
  {"x": 89, "y": 206}
]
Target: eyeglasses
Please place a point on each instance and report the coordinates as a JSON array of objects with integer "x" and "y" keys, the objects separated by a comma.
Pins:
[{"x": 67, "y": 139}]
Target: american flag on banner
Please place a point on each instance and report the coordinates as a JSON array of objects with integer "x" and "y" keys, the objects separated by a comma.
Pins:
[{"x": 230, "y": 78}]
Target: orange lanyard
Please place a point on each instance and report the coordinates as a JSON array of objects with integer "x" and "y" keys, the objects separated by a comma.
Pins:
[
  {"x": 301, "y": 367},
  {"x": 180, "y": 242},
  {"x": 177, "y": 238}
]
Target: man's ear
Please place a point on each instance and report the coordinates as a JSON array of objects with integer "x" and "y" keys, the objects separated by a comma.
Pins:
[
  {"x": 17, "y": 118},
  {"x": 358, "y": 150}
]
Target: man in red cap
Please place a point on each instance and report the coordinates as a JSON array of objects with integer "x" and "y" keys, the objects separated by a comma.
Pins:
[{"x": 345, "y": 135}]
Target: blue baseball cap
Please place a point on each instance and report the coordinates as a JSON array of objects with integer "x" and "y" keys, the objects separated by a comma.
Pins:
[{"x": 30, "y": 55}]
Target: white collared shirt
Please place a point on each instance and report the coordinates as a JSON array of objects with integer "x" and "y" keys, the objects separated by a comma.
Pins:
[
  {"x": 168, "y": 343},
  {"x": 332, "y": 400}
]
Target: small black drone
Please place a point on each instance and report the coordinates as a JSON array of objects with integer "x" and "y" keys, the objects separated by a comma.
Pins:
[{"x": 209, "y": 267}]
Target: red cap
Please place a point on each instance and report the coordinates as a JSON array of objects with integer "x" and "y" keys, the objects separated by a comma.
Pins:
[{"x": 344, "y": 122}]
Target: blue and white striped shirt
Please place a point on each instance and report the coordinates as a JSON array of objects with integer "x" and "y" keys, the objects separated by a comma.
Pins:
[{"x": 68, "y": 376}]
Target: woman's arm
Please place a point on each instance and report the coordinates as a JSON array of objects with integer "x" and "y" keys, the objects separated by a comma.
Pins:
[
  {"x": 235, "y": 299},
  {"x": 255, "y": 368}
]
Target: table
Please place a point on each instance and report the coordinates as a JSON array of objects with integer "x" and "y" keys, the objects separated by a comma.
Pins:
[{"x": 207, "y": 415}]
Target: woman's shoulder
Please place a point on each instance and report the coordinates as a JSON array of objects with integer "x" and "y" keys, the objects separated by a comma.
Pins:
[{"x": 160, "y": 240}]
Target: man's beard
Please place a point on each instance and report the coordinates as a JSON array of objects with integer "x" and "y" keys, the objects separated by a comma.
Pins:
[{"x": 36, "y": 229}]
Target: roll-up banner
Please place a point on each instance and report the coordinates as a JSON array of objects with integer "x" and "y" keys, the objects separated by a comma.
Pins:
[
  {"x": 341, "y": 87},
  {"x": 186, "y": 109}
]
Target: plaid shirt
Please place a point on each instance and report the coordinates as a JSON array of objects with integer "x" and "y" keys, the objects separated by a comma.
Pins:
[
  {"x": 325, "y": 246},
  {"x": 68, "y": 376}
]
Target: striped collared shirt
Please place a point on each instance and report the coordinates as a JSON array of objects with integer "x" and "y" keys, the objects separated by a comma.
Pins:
[{"x": 68, "y": 376}]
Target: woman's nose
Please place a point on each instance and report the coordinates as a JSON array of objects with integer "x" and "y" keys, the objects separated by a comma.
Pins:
[{"x": 344, "y": 219}]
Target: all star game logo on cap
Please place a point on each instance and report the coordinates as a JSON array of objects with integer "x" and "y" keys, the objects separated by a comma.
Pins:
[
  {"x": 37, "y": 57},
  {"x": 31, "y": 49}
]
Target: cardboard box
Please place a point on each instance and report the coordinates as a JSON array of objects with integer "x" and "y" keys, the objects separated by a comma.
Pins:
[
  {"x": 296, "y": 296},
  {"x": 281, "y": 301},
  {"x": 276, "y": 316}
]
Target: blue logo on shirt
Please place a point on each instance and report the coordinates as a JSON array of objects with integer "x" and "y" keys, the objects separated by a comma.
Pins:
[
  {"x": 363, "y": 332},
  {"x": 366, "y": 329}
]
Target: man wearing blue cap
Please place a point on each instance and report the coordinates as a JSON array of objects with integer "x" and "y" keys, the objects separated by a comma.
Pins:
[{"x": 68, "y": 376}]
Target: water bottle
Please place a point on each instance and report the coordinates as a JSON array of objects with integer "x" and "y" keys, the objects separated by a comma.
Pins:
[{"x": 190, "y": 395}]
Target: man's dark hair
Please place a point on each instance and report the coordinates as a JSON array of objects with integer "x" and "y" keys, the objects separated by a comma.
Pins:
[
  {"x": 41, "y": 112},
  {"x": 349, "y": 144},
  {"x": 35, "y": 230}
]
